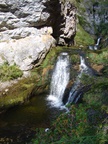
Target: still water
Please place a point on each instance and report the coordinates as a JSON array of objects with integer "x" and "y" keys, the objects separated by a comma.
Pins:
[{"x": 18, "y": 124}]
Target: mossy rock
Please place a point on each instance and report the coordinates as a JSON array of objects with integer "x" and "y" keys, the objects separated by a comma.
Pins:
[{"x": 17, "y": 94}]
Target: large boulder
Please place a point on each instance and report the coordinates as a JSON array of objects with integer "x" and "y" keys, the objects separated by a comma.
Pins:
[
  {"x": 27, "y": 52},
  {"x": 61, "y": 16},
  {"x": 27, "y": 27}
]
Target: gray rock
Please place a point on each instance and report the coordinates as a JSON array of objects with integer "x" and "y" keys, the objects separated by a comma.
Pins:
[
  {"x": 26, "y": 27},
  {"x": 2, "y": 61},
  {"x": 16, "y": 14},
  {"x": 92, "y": 14},
  {"x": 23, "y": 13},
  {"x": 23, "y": 32},
  {"x": 65, "y": 26},
  {"x": 26, "y": 52}
]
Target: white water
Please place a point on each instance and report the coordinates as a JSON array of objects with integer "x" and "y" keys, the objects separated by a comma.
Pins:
[
  {"x": 83, "y": 65},
  {"x": 96, "y": 46},
  {"x": 59, "y": 81},
  {"x": 98, "y": 41},
  {"x": 73, "y": 95}
]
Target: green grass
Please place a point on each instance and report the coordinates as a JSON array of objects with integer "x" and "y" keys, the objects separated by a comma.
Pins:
[
  {"x": 82, "y": 37},
  {"x": 101, "y": 57},
  {"x": 9, "y": 72}
]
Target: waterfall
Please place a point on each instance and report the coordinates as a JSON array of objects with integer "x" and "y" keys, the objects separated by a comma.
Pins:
[
  {"x": 77, "y": 88},
  {"x": 98, "y": 41},
  {"x": 96, "y": 46},
  {"x": 60, "y": 79},
  {"x": 83, "y": 64}
]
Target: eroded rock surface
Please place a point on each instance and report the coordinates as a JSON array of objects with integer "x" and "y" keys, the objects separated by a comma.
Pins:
[
  {"x": 93, "y": 15},
  {"x": 25, "y": 23},
  {"x": 26, "y": 52}
]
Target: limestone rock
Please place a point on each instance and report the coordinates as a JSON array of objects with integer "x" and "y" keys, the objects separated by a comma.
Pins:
[
  {"x": 18, "y": 14},
  {"x": 28, "y": 51},
  {"x": 26, "y": 27},
  {"x": 24, "y": 32},
  {"x": 65, "y": 24},
  {"x": 93, "y": 14},
  {"x": 68, "y": 31}
]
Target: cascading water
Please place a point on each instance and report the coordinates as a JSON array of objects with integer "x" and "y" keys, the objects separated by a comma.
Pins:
[
  {"x": 98, "y": 41},
  {"x": 78, "y": 89},
  {"x": 96, "y": 46},
  {"x": 59, "y": 81}
]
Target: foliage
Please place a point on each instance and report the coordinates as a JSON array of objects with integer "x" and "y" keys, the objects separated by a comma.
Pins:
[
  {"x": 9, "y": 72},
  {"x": 98, "y": 93},
  {"x": 74, "y": 128}
]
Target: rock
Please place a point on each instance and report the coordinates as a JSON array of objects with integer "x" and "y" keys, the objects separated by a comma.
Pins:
[
  {"x": 20, "y": 14},
  {"x": 2, "y": 61},
  {"x": 23, "y": 32},
  {"x": 66, "y": 24},
  {"x": 27, "y": 52},
  {"x": 93, "y": 15},
  {"x": 26, "y": 27}
]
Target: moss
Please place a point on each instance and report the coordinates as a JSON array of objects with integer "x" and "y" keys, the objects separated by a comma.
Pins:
[
  {"x": 16, "y": 94},
  {"x": 82, "y": 37}
]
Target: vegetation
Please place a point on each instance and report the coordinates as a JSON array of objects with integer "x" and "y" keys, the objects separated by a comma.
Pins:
[
  {"x": 82, "y": 37},
  {"x": 9, "y": 72},
  {"x": 86, "y": 122},
  {"x": 100, "y": 57},
  {"x": 78, "y": 126}
]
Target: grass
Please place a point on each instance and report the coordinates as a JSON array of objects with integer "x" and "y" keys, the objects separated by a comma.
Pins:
[
  {"x": 82, "y": 37},
  {"x": 9, "y": 72},
  {"x": 101, "y": 57}
]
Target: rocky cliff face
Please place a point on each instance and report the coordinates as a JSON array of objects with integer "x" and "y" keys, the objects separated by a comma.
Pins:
[
  {"x": 93, "y": 15},
  {"x": 29, "y": 20}
]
